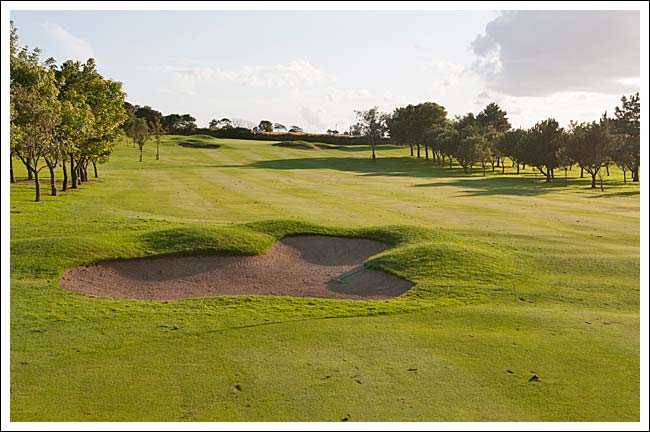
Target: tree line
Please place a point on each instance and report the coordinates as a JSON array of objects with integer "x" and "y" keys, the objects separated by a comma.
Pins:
[
  {"x": 487, "y": 139},
  {"x": 66, "y": 114}
]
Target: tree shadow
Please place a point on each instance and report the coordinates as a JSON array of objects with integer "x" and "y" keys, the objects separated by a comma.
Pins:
[
  {"x": 382, "y": 166},
  {"x": 617, "y": 194},
  {"x": 473, "y": 184},
  {"x": 504, "y": 184}
]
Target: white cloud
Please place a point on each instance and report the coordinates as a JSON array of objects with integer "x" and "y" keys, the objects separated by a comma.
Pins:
[
  {"x": 537, "y": 53},
  {"x": 294, "y": 74},
  {"x": 71, "y": 46},
  {"x": 446, "y": 74},
  {"x": 312, "y": 116},
  {"x": 336, "y": 95}
]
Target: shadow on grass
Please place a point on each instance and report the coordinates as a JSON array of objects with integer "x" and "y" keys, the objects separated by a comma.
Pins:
[
  {"x": 504, "y": 184},
  {"x": 382, "y": 166},
  {"x": 357, "y": 148},
  {"x": 475, "y": 184},
  {"x": 618, "y": 194}
]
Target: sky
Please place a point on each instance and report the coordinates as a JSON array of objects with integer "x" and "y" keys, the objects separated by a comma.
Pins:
[{"x": 314, "y": 68}]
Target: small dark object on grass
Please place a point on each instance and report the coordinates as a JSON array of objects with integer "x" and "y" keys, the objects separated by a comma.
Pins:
[
  {"x": 509, "y": 371},
  {"x": 413, "y": 369},
  {"x": 238, "y": 387},
  {"x": 534, "y": 378},
  {"x": 346, "y": 418},
  {"x": 357, "y": 381},
  {"x": 326, "y": 377}
]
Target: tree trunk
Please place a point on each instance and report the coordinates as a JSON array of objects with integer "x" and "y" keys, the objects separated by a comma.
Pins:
[
  {"x": 503, "y": 167},
  {"x": 565, "y": 175},
  {"x": 546, "y": 174},
  {"x": 451, "y": 161},
  {"x": 411, "y": 145},
  {"x": 517, "y": 168},
  {"x": 52, "y": 180},
  {"x": 624, "y": 176},
  {"x": 492, "y": 162},
  {"x": 157, "y": 152},
  {"x": 426, "y": 152},
  {"x": 602, "y": 189},
  {"x": 498, "y": 161},
  {"x": 418, "y": 151},
  {"x": 11, "y": 168},
  {"x": 483, "y": 165},
  {"x": 95, "y": 168},
  {"x": 30, "y": 175},
  {"x": 593, "y": 179},
  {"x": 635, "y": 173},
  {"x": 607, "y": 169},
  {"x": 465, "y": 168},
  {"x": 372, "y": 142},
  {"x": 582, "y": 172},
  {"x": 38, "y": 187},
  {"x": 73, "y": 172},
  {"x": 64, "y": 187},
  {"x": 85, "y": 172}
]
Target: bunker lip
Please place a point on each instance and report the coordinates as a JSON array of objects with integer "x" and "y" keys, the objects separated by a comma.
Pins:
[{"x": 299, "y": 266}]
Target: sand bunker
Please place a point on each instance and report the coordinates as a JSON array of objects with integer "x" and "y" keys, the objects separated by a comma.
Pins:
[{"x": 301, "y": 266}]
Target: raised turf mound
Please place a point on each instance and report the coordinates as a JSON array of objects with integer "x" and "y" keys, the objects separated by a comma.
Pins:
[
  {"x": 300, "y": 266},
  {"x": 304, "y": 145},
  {"x": 198, "y": 141}
]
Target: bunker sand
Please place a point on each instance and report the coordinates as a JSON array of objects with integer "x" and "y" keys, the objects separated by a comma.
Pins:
[{"x": 301, "y": 266}]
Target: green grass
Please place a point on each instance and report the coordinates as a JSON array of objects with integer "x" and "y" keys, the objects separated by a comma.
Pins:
[{"x": 512, "y": 275}]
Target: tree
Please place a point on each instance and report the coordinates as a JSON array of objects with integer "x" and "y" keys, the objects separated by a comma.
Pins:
[
  {"x": 147, "y": 113},
  {"x": 279, "y": 127},
  {"x": 355, "y": 129},
  {"x": 224, "y": 123},
  {"x": 37, "y": 111},
  {"x": 469, "y": 146},
  {"x": 373, "y": 125},
  {"x": 493, "y": 122},
  {"x": 242, "y": 123},
  {"x": 295, "y": 129},
  {"x": 509, "y": 145},
  {"x": 540, "y": 147},
  {"x": 414, "y": 124},
  {"x": 627, "y": 123},
  {"x": 141, "y": 133},
  {"x": 157, "y": 131},
  {"x": 106, "y": 101},
  {"x": 265, "y": 126},
  {"x": 447, "y": 139},
  {"x": 590, "y": 146},
  {"x": 178, "y": 123},
  {"x": 77, "y": 120},
  {"x": 214, "y": 124},
  {"x": 35, "y": 108}
]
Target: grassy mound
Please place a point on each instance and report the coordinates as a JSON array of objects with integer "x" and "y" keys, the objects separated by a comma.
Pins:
[
  {"x": 196, "y": 141},
  {"x": 305, "y": 145}
]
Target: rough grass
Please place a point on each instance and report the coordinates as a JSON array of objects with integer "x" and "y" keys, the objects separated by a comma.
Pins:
[{"x": 512, "y": 275}]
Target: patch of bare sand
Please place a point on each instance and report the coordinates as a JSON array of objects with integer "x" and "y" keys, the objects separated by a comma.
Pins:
[{"x": 301, "y": 266}]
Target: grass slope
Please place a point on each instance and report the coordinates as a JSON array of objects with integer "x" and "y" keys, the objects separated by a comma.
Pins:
[{"x": 514, "y": 278}]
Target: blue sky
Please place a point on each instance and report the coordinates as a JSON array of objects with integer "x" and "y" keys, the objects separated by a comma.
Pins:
[{"x": 313, "y": 69}]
